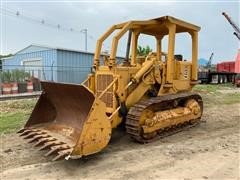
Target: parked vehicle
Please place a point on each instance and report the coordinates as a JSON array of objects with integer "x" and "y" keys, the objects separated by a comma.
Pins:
[{"x": 225, "y": 72}]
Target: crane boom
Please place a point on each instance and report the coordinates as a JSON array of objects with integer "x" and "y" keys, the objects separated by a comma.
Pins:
[
  {"x": 235, "y": 27},
  {"x": 237, "y": 35},
  {"x": 210, "y": 61}
]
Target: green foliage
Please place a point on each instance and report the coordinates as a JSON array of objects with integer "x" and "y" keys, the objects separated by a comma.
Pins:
[
  {"x": 27, "y": 75},
  {"x": 212, "y": 87},
  {"x": 231, "y": 98},
  {"x": 15, "y": 75},
  {"x": 11, "y": 122},
  {"x": 218, "y": 94},
  {"x": 143, "y": 51},
  {"x": 6, "y": 76},
  {"x": 3, "y": 56},
  {"x": 14, "y": 114}
]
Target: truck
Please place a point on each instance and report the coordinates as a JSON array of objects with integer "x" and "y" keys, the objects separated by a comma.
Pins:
[{"x": 226, "y": 72}]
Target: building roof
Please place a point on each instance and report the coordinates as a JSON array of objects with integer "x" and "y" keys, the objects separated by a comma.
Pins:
[
  {"x": 46, "y": 47},
  {"x": 36, "y": 47}
]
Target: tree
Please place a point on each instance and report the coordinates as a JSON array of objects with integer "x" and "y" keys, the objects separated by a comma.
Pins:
[
  {"x": 3, "y": 56},
  {"x": 143, "y": 51}
]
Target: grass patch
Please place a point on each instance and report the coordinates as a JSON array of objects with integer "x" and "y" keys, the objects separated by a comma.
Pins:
[
  {"x": 218, "y": 94},
  {"x": 14, "y": 114},
  {"x": 212, "y": 87},
  {"x": 11, "y": 122},
  {"x": 231, "y": 98}
]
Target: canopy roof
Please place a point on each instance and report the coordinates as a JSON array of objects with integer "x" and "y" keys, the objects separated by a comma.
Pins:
[{"x": 158, "y": 25}]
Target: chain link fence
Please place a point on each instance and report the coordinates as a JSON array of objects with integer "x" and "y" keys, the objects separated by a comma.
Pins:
[{"x": 22, "y": 76}]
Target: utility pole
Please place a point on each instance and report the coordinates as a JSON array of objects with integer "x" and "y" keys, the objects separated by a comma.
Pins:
[{"x": 85, "y": 33}]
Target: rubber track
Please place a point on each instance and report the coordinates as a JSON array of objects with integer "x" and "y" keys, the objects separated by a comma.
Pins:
[{"x": 132, "y": 121}]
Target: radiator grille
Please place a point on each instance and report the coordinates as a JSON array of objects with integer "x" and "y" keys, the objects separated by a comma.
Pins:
[{"x": 103, "y": 80}]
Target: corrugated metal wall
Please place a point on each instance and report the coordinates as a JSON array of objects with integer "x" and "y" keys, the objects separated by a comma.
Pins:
[
  {"x": 73, "y": 66},
  {"x": 48, "y": 57},
  {"x": 57, "y": 65}
]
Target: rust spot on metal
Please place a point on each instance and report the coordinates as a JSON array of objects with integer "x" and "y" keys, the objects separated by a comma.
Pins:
[
  {"x": 62, "y": 154},
  {"x": 21, "y": 130},
  {"x": 43, "y": 140},
  {"x": 57, "y": 148},
  {"x": 38, "y": 137},
  {"x": 49, "y": 144},
  {"x": 27, "y": 131},
  {"x": 32, "y": 134}
]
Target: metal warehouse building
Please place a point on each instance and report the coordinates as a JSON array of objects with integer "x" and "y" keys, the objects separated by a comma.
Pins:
[{"x": 52, "y": 64}]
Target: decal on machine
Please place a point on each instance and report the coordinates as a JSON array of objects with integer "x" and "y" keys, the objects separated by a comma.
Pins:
[{"x": 185, "y": 72}]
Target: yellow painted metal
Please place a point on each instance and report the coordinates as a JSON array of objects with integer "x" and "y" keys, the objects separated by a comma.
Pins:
[
  {"x": 99, "y": 45},
  {"x": 89, "y": 83},
  {"x": 159, "y": 47},
  {"x": 114, "y": 88},
  {"x": 96, "y": 132},
  {"x": 145, "y": 67},
  {"x": 116, "y": 38},
  {"x": 139, "y": 91},
  {"x": 170, "y": 60},
  {"x": 172, "y": 117},
  {"x": 194, "y": 35},
  {"x": 134, "y": 47}
]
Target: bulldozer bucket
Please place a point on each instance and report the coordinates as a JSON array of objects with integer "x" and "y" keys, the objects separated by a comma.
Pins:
[{"x": 68, "y": 121}]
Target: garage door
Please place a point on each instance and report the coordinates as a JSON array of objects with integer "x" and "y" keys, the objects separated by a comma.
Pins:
[{"x": 34, "y": 67}]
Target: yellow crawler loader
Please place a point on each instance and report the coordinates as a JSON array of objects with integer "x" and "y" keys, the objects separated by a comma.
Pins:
[{"x": 151, "y": 95}]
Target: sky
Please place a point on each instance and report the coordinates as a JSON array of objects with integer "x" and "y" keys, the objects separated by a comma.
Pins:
[{"x": 216, "y": 34}]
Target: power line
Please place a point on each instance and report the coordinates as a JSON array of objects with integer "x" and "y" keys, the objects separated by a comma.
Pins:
[
  {"x": 18, "y": 14},
  {"x": 44, "y": 22}
]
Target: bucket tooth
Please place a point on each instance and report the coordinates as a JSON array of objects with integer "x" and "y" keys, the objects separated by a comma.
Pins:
[
  {"x": 57, "y": 148},
  {"x": 32, "y": 134},
  {"x": 21, "y": 130},
  {"x": 62, "y": 154},
  {"x": 41, "y": 136},
  {"x": 27, "y": 131},
  {"x": 43, "y": 147},
  {"x": 50, "y": 144},
  {"x": 58, "y": 157},
  {"x": 43, "y": 140}
]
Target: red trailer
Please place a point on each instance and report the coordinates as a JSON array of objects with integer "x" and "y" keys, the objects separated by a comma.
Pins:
[
  {"x": 227, "y": 71},
  {"x": 228, "y": 66}
]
